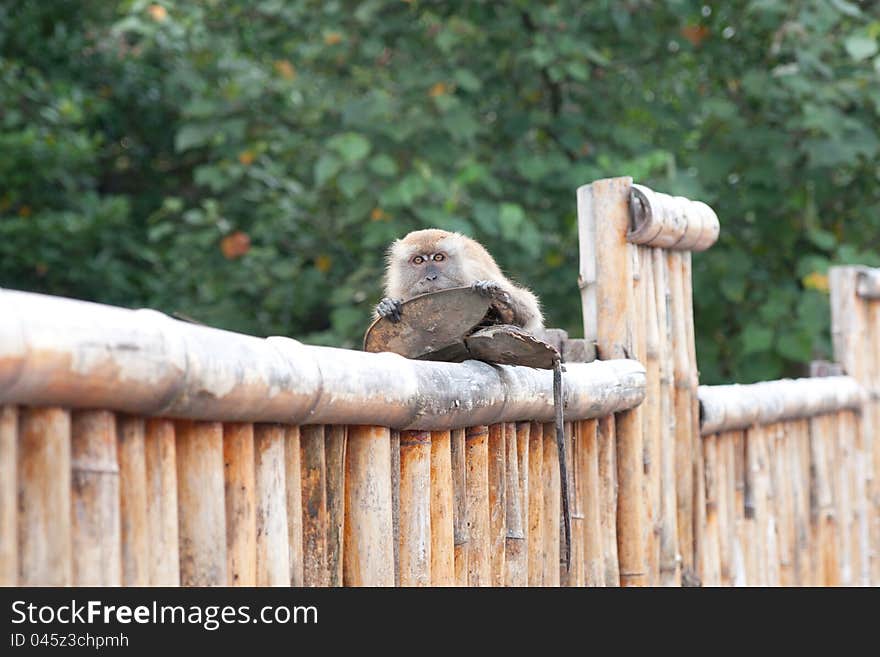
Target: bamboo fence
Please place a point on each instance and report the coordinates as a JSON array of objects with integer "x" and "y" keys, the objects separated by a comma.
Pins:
[{"x": 139, "y": 450}]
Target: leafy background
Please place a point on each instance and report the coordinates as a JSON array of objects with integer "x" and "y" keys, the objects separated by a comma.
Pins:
[{"x": 245, "y": 162}]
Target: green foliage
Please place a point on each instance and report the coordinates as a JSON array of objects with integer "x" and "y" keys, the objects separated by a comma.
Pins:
[{"x": 246, "y": 163}]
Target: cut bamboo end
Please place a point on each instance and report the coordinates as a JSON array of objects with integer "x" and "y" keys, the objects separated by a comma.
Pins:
[
  {"x": 730, "y": 407},
  {"x": 671, "y": 222},
  {"x": 868, "y": 283}
]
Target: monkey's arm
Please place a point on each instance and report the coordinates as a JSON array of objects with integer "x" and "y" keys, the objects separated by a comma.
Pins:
[{"x": 525, "y": 306}]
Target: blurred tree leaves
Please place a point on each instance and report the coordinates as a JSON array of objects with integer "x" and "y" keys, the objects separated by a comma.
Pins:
[{"x": 246, "y": 163}]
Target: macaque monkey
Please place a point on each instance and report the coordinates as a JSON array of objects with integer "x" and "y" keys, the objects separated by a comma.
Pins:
[{"x": 432, "y": 259}]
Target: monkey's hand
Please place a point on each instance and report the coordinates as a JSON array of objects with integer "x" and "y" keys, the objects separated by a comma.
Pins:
[
  {"x": 491, "y": 290},
  {"x": 389, "y": 308}
]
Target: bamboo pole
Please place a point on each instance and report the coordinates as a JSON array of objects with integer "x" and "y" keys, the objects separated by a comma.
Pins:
[
  {"x": 240, "y": 494},
  {"x": 751, "y": 494},
  {"x": 314, "y": 502},
  {"x": 871, "y": 418},
  {"x": 577, "y": 574},
  {"x": 666, "y": 221},
  {"x": 603, "y": 218},
  {"x": 133, "y": 500},
  {"x": 670, "y": 561},
  {"x": 694, "y": 379},
  {"x": 771, "y": 532},
  {"x": 368, "y": 547},
  {"x": 95, "y": 537},
  {"x": 272, "y": 551},
  {"x": 183, "y": 370},
  {"x": 497, "y": 502},
  {"x": 442, "y": 502},
  {"x": 459, "y": 514},
  {"x": 160, "y": 449},
  {"x": 824, "y": 530},
  {"x": 477, "y": 478},
  {"x": 415, "y": 508},
  {"x": 785, "y": 481},
  {"x": 608, "y": 500},
  {"x": 536, "y": 504},
  {"x": 293, "y": 475},
  {"x": 726, "y": 511},
  {"x": 515, "y": 553},
  {"x": 730, "y": 407},
  {"x": 588, "y": 464},
  {"x": 552, "y": 507},
  {"x": 652, "y": 417},
  {"x": 8, "y": 495},
  {"x": 44, "y": 477},
  {"x": 711, "y": 573},
  {"x": 800, "y": 464},
  {"x": 740, "y": 555},
  {"x": 523, "y": 434},
  {"x": 200, "y": 503},
  {"x": 335, "y": 462},
  {"x": 395, "y": 501},
  {"x": 684, "y": 458}
]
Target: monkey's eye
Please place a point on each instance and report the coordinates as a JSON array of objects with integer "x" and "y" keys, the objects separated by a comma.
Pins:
[
  {"x": 439, "y": 257},
  {"x": 417, "y": 260}
]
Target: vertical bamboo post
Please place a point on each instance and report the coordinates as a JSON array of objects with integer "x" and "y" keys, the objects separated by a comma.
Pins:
[
  {"x": 459, "y": 513},
  {"x": 314, "y": 501},
  {"x": 477, "y": 478},
  {"x": 8, "y": 493},
  {"x": 603, "y": 220},
  {"x": 771, "y": 535},
  {"x": 133, "y": 494},
  {"x": 515, "y": 554},
  {"x": 272, "y": 552},
  {"x": 368, "y": 547},
  {"x": 577, "y": 573},
  {"x": 652, "y": 416},
  {"x": 670, "y": 562},
  {"x": 497, "y": 502},
  {"x": 588, "y": 464},
  {"x": 293, "y": 475},
  {"x": 684, "y": 458},
  {"x": 442, "y": 520},
  {"x": 240, "y": 488},
  {"x": 335, "y": 462},
  {"x": 726, "y": 514},
  {"x": 871, "y": 427},
  {"x": 801, "y": 464},
  {"x": 608, "y": 493},
  {"x": 44, "y": 476},
  {"x": 741, "y": 561},
  {"x": 536, "y": 504},
  {"x": 523, "y": 437},
  {"x": 552, "y": 507},
  {"x": 750, "y": 532},
  {"x": 200, "y": 503},
  {"x": 853, "y": 325},
  {"x": 160, "y": 452},
  {"x": 824, "y": 518},
  {"x": 395, "y": 501},
  {"x": 693, "y": 377},
  {"x": 415, "y": 508},
  {"x": 712, "y": 538},
  {"x": 785, "y": 504},
  {"x": 96, "y": 544}
]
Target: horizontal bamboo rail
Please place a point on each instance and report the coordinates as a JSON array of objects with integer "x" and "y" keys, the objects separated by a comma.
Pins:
[
  {"x": 731, "y": 407},
  {"x": 63, "y": 352}
]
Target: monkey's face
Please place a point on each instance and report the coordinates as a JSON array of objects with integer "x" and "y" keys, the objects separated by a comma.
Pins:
[{"x": 429, "y": 272}]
